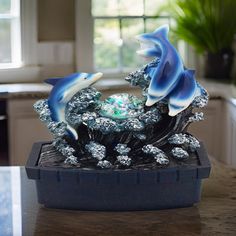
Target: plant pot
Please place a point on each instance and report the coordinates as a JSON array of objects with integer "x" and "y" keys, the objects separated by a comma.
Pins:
[
  {"x": 118, "y": 190},
  {"x": 219, "y": 65}
]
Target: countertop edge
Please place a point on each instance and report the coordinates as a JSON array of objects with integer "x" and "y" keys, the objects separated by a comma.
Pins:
[{"x": 41, "y": 90}]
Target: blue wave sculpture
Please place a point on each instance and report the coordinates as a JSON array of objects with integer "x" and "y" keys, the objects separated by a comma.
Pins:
[
  {"x": 169, "y": 79},
  {"x": 64, "y": 89}
]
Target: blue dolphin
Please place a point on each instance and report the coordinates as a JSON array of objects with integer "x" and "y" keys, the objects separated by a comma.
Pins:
[
  {"x": 169, "y": 79},
  {"x": 170, "y": 67},
  {"x": 64, "y": 89}
]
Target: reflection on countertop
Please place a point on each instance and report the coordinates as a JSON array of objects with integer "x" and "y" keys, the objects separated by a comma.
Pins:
[
  {"x": 10, "y": 202},
  {"x": 214, "y": 215},
  {"x": 5, "y": 202}
]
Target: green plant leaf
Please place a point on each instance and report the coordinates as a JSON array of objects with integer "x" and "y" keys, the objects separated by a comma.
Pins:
[{"x": 207, "y": 25}]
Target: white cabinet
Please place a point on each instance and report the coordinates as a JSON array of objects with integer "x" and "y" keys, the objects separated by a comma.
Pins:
[
  {"x": 24, "y": 128},
  {"x": 210, "y": 130},
  {"x": 230, "y": 135},
  {"x": 218, "y": 130},
  {"x": 232, "y": 140}
]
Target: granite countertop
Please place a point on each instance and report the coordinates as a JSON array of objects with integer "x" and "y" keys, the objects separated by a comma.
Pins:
[
  {"x": 224, "y": 91},
  {"x": 215, "y": 215},
  {"x": 41, "y": 90}
]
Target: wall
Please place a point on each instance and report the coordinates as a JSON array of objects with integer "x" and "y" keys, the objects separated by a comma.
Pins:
[
  {"x": 56, "y": 36},
  {"x": 56, "y": 20}
]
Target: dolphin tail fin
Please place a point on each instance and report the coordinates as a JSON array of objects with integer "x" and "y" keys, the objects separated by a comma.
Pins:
[
  {"x": 52, "y": 81},
  {"x": 162, "y": 32},
  {"x": 183, "y": 93}
]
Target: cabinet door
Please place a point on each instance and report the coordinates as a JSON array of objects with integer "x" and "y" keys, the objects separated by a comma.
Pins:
[
  {"x": 24, "y": 129},
  {"x": 209, "y": 130},
  {"x": 231, "y": 135}
]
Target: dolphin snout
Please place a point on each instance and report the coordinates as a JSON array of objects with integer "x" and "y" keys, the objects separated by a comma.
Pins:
[
  {"x": 94, "y": 77},
  {"x": 98, "y": 75}
]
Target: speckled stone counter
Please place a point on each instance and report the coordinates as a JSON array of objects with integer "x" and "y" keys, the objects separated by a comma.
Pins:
[
  {"x": 41, "y": 90},
  {"x": 214, "y": 215}
]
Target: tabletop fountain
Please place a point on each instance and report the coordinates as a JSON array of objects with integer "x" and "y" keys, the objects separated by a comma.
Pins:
[{"x": 124, "y": 152}]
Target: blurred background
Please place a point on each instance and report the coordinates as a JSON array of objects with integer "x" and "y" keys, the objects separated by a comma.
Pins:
[{"x": 51, "y": 38}]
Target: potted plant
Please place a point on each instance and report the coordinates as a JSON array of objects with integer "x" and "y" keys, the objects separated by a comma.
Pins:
[{"x": 209, "y": 26}]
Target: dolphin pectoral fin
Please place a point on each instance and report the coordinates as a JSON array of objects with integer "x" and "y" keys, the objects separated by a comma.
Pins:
[
  {"x": 52, "y": 81},
  {"x": 151, "y": 100},
  {"x": 183, "y": 94},
  {"x": 174, "y": 110}
]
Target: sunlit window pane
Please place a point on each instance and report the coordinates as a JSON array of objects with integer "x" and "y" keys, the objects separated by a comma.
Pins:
[
  {"x": 106, "y": 42},
  {"x": 152, "y": 24},
  {"x": 116, "y": 22},
  {"x": 131, "y": 28},
  {"x": 105, "y": 8},
  {"x": 5, "y": 41},
  {"x": 131, "y": 7},
  {"x": 152, "y": 6},
  {"x": 5, "y": 6}
]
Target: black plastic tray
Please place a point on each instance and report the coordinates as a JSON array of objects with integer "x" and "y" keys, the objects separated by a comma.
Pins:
[{"x": 119, "y": 190}]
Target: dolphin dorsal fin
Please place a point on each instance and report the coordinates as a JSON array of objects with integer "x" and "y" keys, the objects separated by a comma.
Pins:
[
  {"x": 162, "y": 31},
  {"x": 189, "y": 73},
  {"x": 52, "y": 81}
]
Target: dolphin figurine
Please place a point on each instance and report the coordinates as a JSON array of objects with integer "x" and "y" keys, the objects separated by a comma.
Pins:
[
  {"x": 170, "y": 80},
  {"x": 64, "y": 89}
]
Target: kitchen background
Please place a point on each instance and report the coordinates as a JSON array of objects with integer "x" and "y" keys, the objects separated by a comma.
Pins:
[{"x": 50, "y": 38}]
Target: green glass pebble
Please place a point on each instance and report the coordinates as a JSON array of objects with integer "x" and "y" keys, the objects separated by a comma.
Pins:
[{"x": 121, "y": 106}]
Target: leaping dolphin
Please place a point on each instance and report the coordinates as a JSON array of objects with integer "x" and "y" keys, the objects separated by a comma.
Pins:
[
  {"x": 169, "y": 79},
  {"x": 64, "y": 89}
]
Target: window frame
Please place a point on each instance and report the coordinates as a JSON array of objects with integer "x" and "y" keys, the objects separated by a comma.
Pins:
[
  {"x": 120, "y": 68},
  {"x": 15, "y": 34},
  {"x": 84, "y": 40},
  {"x": 28, "y": 70}
]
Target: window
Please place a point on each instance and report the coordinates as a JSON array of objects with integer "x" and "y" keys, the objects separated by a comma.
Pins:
[
  {"x": 115, "y": 23},
  {"x": 105, "y": 31},
  {"x": 10, "y": 40}
]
